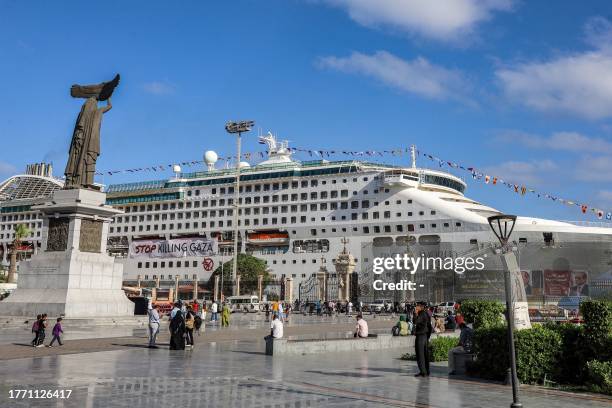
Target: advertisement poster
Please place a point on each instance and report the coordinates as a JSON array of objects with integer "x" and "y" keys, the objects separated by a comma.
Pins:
[
  {"x": 173, "y": 248},
  {"x": 556, "y": 283}
]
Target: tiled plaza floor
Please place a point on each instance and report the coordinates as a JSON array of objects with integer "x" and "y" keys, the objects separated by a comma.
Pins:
[{"x": 236, "y": 373}]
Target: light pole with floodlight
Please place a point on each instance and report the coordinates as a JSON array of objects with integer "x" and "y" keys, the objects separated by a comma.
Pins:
[
  {"x": 237, "y": 128},
  {"x": 502, "y": 226}
]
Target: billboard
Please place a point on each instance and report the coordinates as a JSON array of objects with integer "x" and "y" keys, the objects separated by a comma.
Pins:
[{"x": 173, "y": 248}]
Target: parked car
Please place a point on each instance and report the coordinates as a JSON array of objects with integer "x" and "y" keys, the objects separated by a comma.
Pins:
[
  {"x": 379, "y": 305},
  {"x": 444, "y": 307}
]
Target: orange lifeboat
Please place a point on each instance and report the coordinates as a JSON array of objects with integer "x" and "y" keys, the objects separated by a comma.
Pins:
[{"x": 268, "y": 238}]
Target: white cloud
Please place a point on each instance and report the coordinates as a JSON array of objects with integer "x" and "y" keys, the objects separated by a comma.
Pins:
[
  {"x": 605, "y": 196},
  {"x": 417, "y": 76},
  {"x": 579, "y": 84},
  {"x": 594, "y": 169},
  {"x": 7, "y": 170},
  {"x": 444, "y": 20},
  {"x": 526, "y": 173},
  {"x": 158, "y": 88},
  {"x": 569, "y": 141}
]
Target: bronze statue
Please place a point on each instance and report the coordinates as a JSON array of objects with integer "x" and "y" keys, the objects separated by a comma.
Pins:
[{"x": 85, "y": 144}]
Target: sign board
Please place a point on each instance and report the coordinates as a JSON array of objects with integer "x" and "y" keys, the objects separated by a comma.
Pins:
[{"x": 173, "y": 248}]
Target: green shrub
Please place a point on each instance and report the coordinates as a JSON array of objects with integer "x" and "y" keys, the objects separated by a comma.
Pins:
[
  {"x": 440, "y": 346},
  {"x": 438, "y": 349},
  {"x": 491, "y": 349},
  {"x": 595, "y": 339},
  {"x": 600, "y": 376},
  {"x": 483, "y": 313},
  {"x": 569, "y": 367},
  {"x": 537, "y": 353}
]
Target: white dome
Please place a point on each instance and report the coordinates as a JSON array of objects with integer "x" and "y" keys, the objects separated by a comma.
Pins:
[
  {"x": 210, "y": 157},
  {"x": 244, "y": 164},
  {"x": 176, "y": 168}
]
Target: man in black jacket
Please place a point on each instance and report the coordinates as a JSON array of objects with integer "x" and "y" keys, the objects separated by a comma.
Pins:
[{"x": 422, "y": 332}]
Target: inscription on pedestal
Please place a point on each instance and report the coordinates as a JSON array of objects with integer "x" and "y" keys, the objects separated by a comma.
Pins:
[
  {"x": 57, "y": 237},
  {"x": 91, "y": 236}
]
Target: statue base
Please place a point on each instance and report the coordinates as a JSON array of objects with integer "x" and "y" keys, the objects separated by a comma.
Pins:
[{"x": 73, "y": 276}]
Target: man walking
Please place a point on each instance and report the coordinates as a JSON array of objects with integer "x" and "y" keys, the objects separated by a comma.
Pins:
[
  {"x": 422, "y": 331},
  {"x": 214, "y": 310},
  {"x": 153, "y": 325}
]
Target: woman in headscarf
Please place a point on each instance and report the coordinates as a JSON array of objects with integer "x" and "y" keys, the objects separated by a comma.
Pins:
[{"x": 177, "y": 332}]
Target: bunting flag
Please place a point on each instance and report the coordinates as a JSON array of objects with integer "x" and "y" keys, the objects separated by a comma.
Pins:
[{"x": 322, "y": 153}]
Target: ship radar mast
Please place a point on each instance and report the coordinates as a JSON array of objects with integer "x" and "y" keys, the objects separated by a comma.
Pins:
[
  {"x": 413, "y": 154},
  {"x": 278, "y": 151}
]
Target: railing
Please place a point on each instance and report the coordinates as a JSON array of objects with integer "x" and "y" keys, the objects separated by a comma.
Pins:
[{"x": 597, "y": 224}]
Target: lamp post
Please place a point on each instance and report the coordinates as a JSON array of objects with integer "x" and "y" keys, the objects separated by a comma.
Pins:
[
  {"x": 502, "y": 226},
  {"x": 237, "y": 128}
]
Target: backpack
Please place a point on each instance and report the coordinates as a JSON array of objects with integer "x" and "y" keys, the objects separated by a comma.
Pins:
[{"x": 395, "y": 330}]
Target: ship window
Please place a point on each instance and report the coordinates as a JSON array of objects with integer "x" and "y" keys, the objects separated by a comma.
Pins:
[
  {"x": 304, "y": 261},
  {"x": 387, "y": 228},
  {"x": 376, "y": 229},
  {"x": 139, "y": 265},
  {"x": 364, "y": 216},
  {"x": 473, "y": 241},
  {"x": 155, "y": 264},
  {"x": 375, "y": 215},
  {"x": 522, "y": 240},
  {"x": 313, "y": 231},
  {"x": 410, "y": 213},
  {"x": 366, "y": 230},
  {"x": 433, "y": 225},
  {"x": 410, "y": 227},
  {"x": 365, "y": 204},
  {"x": 399, "y": 228},
  {"x": 170, "y": 264},
  {"x": 421, "y": 213},
  {"x": 387, "y": 214},
  {"x": 457, "y": 224},
  {"x": 446, "y": 224},
  {"x": 433, "y": 212},
  {"x": 386, "y": 202},
  {"x": 353, "y": 216},
  {"x": 421, "y": 225}
]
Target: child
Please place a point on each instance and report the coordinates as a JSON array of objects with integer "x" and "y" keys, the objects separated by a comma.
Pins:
[
  {"x": 42, "y": 325},
  {"x": 35, "y": 331},
  {"x": 57, "y": 331}
]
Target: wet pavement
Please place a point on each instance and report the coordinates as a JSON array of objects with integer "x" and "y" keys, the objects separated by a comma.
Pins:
[{"x": 229, "y": 369}]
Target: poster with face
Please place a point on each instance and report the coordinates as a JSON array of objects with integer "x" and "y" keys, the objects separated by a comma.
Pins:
[
  {"x": 527, "y": 282},
  {"x": 579, "y": 284}
]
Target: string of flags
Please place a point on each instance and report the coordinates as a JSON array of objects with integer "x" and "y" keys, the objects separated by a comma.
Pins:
[{"x": 323, "y": 153}]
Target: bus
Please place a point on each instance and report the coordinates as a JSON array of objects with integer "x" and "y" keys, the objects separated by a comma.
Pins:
[{"x": 245, "y": 304}]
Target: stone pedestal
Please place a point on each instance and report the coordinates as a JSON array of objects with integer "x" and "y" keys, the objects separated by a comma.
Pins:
[
  {"x": 73, "y": 276},
  {"x": 345, "y": 265}
]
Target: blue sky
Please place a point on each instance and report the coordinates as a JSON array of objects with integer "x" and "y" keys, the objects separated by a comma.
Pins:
[{"x": 517, "y": 89}]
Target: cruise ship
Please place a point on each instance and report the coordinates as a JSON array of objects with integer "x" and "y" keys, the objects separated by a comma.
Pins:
[{"x": 298, "y": 216}]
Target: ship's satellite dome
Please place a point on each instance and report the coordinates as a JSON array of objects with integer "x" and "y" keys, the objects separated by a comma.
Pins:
[
  {"x": 210, "y": 157},
  {"x": 176, "y": 168},
  {"x": 244, "y": 164}
]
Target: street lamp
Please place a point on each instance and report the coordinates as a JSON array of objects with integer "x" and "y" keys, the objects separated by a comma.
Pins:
[
  {"x": 237, "y": 128},
  {"x": 502, "y": 226}
]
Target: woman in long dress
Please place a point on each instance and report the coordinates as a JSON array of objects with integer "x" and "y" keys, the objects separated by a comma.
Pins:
[{"x": 177, "y": 332}]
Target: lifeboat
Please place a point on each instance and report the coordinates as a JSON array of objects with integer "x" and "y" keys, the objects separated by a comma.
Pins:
[{"x": 268, "y": 238}]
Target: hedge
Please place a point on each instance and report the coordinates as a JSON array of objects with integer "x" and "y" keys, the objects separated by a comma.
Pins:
[
  {"x": 557, "y": 351},
  {"x": 600, "y": 376},
  {"x": 438, "y": 349},
  {"x": 483, "y": 313}
]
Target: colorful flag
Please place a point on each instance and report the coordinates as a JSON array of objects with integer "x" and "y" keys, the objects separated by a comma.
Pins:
[
  {"x": 487, "y": 179},
  {"x": 600, "y": 214},
  {"x": 584, "y": 209},
  {"x": 609, "y": 216}
]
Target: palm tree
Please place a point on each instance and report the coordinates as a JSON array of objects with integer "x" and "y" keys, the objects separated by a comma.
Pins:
[{"x": 21, "y": 231}]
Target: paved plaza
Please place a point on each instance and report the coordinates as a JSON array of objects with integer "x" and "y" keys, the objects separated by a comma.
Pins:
[{"x": 228, "y": 368}]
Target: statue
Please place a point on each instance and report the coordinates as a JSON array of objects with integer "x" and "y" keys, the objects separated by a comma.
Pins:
[{"x": 85, "y": 144}]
